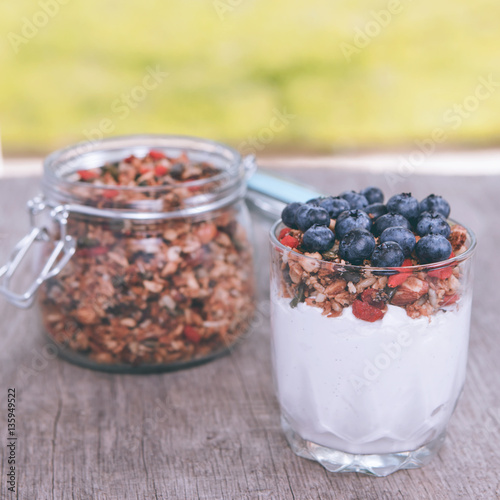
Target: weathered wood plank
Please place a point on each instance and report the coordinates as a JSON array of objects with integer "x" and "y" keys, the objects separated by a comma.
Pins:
[{"x": 213, "y": 432}]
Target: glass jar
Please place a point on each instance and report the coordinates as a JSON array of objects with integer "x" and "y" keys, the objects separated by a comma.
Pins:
[
  {"x": 369, "y": 363},
  {"x": 139, "y": 277}
]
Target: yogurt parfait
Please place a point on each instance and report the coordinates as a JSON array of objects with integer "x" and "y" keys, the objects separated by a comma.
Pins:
[{"x": 371, "y": 305}]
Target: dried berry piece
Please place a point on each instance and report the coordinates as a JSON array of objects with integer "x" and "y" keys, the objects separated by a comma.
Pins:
[
  {"x": 156, "y": 155},
  {"x": 110, "y": 193},
  {"x": 290, "y": 241},
  {"x": 442, "y": 273},
  {"x": 398, "y": 279},
  {"x": 88, "y": 175},
  {"x": 192, "y": 334},
  {"x": 283, "y": 233},
  {"x": 366, "y": 312},
  {"x": 92, "y": 252},
  {"x": 160, "y": 170},
  {"x": 145, "y": 169},
  {"x": 448, "y": 300}
]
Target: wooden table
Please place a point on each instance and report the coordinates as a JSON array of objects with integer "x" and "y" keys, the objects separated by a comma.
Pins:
[{"x": 213, "y": 431}]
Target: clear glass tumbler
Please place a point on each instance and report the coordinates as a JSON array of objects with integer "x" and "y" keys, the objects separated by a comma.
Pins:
[{"x": 370, "y": 395}]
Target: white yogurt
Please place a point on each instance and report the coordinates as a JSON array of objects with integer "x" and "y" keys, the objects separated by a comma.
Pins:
[{"x": 368, "y": 388}]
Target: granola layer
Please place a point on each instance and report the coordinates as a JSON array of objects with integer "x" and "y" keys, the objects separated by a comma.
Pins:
[{"x": 334, "y": 285}]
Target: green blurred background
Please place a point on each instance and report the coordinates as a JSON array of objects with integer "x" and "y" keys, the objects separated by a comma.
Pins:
[{"x": 234, "y": 64}]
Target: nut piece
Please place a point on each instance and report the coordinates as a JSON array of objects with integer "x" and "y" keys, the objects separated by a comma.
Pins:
[
  {"x": 458, "y": 237},
  {"x": 418, "y": 310},
  {"x": 335, "y": 288},
  {"x": 410, "y": 291},
  {"x": 206, "y": 233},
  {"x": 86, "y": 315},
  {"x": 295, "y": 272},
  {"x": 152, "y": 286},
  {"x": 128, "y": 322},
  {"x": 119, "y": 259},
  {"x": 310, "y": 265}
]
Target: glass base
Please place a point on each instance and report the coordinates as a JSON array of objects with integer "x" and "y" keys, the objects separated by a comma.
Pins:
[
  {"x": 139, "y": 369},
  {"x": 375, "y": 465}
]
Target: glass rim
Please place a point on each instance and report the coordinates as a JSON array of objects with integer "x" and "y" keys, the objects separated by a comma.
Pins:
[
  {"x": 88, "y": 147},
  {"x": 419, "y": 267}
]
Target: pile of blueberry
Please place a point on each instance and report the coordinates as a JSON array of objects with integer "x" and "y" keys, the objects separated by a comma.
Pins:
[{"x": 369, "y": 230}]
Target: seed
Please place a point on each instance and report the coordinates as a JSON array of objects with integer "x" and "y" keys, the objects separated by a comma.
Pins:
[
  {"x": 153, "y": 287},
  {"x": 128, "y": 322}
]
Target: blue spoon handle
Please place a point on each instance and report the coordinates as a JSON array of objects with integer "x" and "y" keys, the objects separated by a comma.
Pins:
[{"x": 271, "y": 193}]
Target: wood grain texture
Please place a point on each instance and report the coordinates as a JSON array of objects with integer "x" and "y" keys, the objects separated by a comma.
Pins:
[{"x": 213, "y": 432}]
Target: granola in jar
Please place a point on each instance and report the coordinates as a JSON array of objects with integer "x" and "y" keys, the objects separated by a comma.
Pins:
[{"x": 162, "y": 275}]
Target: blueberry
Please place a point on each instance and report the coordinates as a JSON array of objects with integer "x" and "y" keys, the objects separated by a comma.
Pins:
[
  {"x": 436, "y": 203},
  {"x": 351, "y": 219},
  {"x": 373, "y": 195},
  {"x": 356, "y": 246},
  {"x": 402, "y": 236},
  {"x": 355, "y": 200},
  {"x": 404, "y": 204},
  {"x": 314, "y": 201},
  {"x": 177, "y": 170},
  {"x": 334, "y": 206},
  {"x": 318, "y": 239},
  {"x": 433, "y": 222},
  {"x": 376, "y": 209},
  {"x": 389, "y": 220},
  {"x": 308, "y": 215},
  {"x": 427, "y": 214},
  {"x": 288, "y": 215},
  {"x": 388, "y": 254},
  {"x": 433, "y": 248}
]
